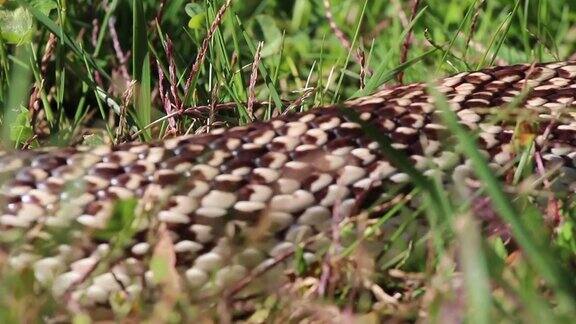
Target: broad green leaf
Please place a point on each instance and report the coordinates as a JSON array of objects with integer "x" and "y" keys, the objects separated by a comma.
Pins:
[
  {"x": 16, "y": 26},
  {"x": 121, "y": 220},
  {"x": 197, "y": 21},
  {"x": 17, "y": 22},
  {"x": 159, "y": 267},
  {"x": 302, "y": 13},
  {"x": 197, "y": 14},
  {"x": 81, "y": 318},
  {"x": 272, "y": 35},
  {"x": 45, "y": 6},
  {"x": 141, "y": 67},
  {"x": 300, "y": 264},
  {"x": 93, "y": 140},
  {"x": 21, "y": 130}
]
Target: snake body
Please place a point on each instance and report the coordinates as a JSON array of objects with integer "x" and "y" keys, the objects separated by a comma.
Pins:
[{"x": 231, "y": 201}]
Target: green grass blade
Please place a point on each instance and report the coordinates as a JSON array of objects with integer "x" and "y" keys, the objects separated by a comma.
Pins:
[
  {"x": 475, "y": 270},
  {"x": 19, "y": 86},
  {"x": 57, "y": 30},
  {"x": 540, "y": 256},
  {"x": 141, "y": 67},
  {"x": 402, "y": 163}
]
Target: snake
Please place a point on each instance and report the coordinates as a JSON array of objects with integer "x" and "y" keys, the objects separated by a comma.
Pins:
[{"x": 234, "y": 201}]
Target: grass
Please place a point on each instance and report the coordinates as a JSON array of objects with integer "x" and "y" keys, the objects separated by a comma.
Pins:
[{"x": 98, "y": 82}]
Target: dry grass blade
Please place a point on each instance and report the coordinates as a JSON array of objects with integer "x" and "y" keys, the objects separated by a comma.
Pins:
[
  {"x": 34, "y": 102},
  {"x": 172, "y": 70},
  {"x": 387, "y": 252},
  {"x": 253, "y": 79},
  {"x": 164, "y": 97},
  {"x": 340, "y": 34},
  {"x": 204, "y": 49},
  {"x": 407, "y": 41},
  {"x": 163, "y": 266},
  {"x": 473, "y": 27},
  {"x": 170, "y": 100},
  {"x": 363, "y": 69},
  {"x": 122, "y": 129},
  {"x": 120, "y": 55}
]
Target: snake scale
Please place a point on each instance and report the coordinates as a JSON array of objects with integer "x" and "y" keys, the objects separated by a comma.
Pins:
[{"x": 284, "y": 181}]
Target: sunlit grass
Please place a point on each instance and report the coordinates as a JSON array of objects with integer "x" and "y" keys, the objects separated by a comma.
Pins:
[{"x": 452, "y": 271}]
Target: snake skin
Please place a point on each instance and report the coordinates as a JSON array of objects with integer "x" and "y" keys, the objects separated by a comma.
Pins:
[{"x": 281, "y": 181}]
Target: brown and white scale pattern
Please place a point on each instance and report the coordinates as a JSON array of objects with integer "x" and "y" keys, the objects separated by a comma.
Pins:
[{"x": 285, "y": 180}]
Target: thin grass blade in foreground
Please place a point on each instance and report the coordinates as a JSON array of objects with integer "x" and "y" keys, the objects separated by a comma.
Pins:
[
  {"x": 59, "y": 32},
  {"x": 141, "y": 67},
  {"x": 397, "y": 158},
  {"x": 19, "y": 85},
  {"x": 541, "y": 256},
  {"x": 475, "y": 269},
  {"x": 79, "y": 88},
  {"x": 433, "y": 196}
]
